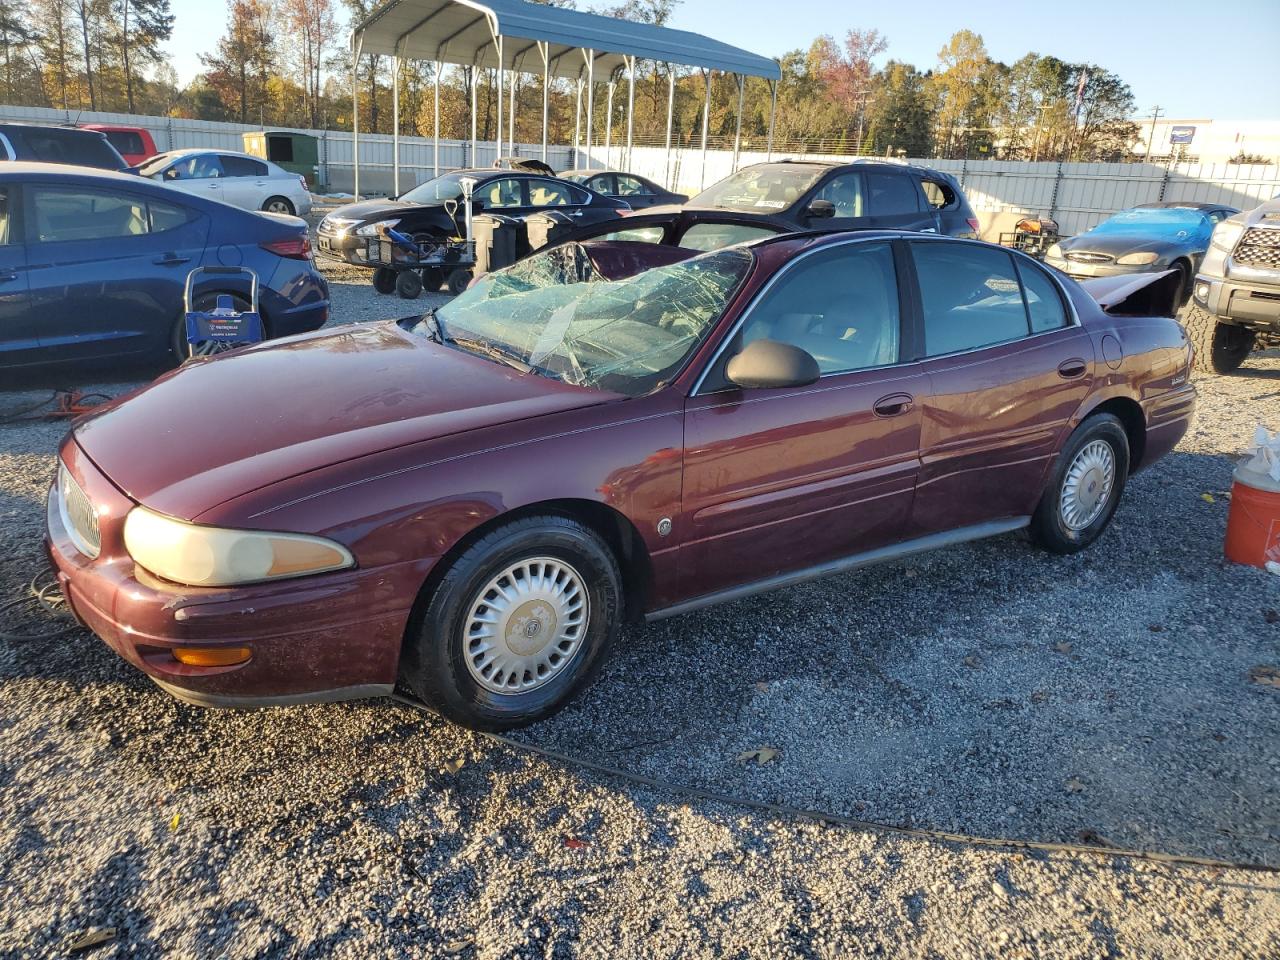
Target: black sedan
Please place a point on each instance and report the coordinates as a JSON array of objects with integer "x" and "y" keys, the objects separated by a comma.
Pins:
[
  {"x": 637, "y": 191},
  {"x": 433, "y": 211}
]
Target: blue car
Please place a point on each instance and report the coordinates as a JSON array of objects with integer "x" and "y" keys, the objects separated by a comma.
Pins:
[
  {"x": 1150, "y": 238},
  {"x": 93, "y": 264}
]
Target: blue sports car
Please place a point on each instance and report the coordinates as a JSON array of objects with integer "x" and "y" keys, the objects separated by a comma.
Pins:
[
  {"x": 1150, "y": 238},
  {"x": 93, "y": 265}
]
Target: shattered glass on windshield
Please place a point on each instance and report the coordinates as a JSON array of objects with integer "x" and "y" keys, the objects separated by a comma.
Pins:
[{"x": 555, "y": 313}]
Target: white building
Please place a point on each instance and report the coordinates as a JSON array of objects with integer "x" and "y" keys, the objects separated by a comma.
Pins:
[{"x": 1210, "y": 141}]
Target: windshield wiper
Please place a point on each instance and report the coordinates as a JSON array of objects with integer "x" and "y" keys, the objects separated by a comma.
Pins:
[
  {"x": 437, "y": 325},
  {"x": 493, "y": 352}
]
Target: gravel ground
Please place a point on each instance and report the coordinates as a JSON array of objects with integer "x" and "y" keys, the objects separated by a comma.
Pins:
[{"x": 988, "y": 689}]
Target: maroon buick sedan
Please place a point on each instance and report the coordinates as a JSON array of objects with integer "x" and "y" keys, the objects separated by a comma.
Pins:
[{"x": 472, "y": 501}]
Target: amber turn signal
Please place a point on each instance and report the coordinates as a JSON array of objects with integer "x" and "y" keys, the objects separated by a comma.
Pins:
[{"x": 211, "y": 656}]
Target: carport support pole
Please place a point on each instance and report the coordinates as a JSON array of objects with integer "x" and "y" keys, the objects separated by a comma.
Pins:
[
  {"x": 501, "y": 78},
  {"x": 577, "y": 122},
  {"x": 671, "y": 109},
  {"x": 436, "y": 112},
  {"x": 545, "y": 50},
  {"x": 706, "y": 120},
  {"x": 631, "y": 107},
  {"x": 475, "y": 84},
  {"x": 591, "y": 100},
  {"x": 511, "y": 128},
  {"x": 773, "y": 112},
  {"x": 737, "y": 133},
  {"x": 395, "y": 123},
  {"x": 357, "y": 46},
  {"x": 608, "y": 127}
]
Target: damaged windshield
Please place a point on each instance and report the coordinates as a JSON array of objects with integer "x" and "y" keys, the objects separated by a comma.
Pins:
[
  {"x": 762, "y": 188},
  {"x": 554, "y": 315}
]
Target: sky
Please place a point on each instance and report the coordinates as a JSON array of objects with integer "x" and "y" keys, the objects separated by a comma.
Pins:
[{"x": 1171, "y": 53}]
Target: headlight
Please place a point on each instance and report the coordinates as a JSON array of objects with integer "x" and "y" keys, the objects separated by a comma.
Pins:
[
  {"x": 1225, "y": 235},
  {"x": 1054, "y": 251},
  {"x": 211, "y": 557},
  {"x": 339, "y": 225},
  {"x": 1137, "y": 259},
  {"x": 371, "y": 229}
]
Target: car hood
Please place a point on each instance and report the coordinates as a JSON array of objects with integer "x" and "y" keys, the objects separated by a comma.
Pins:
[
  {"x": 1118, "y": 244},
  {"x": 374, "y": 209},
  {"x": 217, "y": 429}
]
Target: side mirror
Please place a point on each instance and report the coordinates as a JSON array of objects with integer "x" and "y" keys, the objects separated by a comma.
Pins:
[
  {"x": 821, "y": 210},
  {"x": 769, "y": 364}
]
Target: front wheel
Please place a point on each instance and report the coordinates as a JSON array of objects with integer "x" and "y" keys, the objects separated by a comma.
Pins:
[
  {"x": 1219, "y": 347},
  {"x": 519, "y": 624},
  {"x": 1084, "y": 488}
]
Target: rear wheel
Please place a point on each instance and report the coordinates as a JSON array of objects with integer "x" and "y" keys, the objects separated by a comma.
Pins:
[
  {"x": 279, "y": 205},
  {"x": 178, "y": 346},
  {"x": 1085, "y": 486},
  {"x": 384, "y": 280},
  {"x": 408, "y": 284},
  {"x": 1220, "y": 347},
  {"x": 519, "y": 623}
]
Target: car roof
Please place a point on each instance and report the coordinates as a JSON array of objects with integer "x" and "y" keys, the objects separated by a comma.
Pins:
[
  {"x": 881, "y": 162},
  {"x": 67, "y": 171},
  {"x": 189, "y": 151},
  {"x": 1183, "y": 204},
  {"x": 6, "y": 124}
]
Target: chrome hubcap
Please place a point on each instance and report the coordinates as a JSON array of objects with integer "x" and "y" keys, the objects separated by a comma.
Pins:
[
  {"x": 1087, "y": 486},
  {"x": 526, "y": 625},
  {"x": 277, "y": 207}
]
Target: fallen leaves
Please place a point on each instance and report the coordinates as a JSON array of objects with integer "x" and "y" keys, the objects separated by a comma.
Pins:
[
  {"x": 173, "y": 824},
  {"x": 573, "y": 843},
  {"x": 451, "y": 767},
  {"x": 761, "y": 755},
  {"x": 762, "y": 686},
  {"x": 1074, "y": 785},
  {"x": 1063, "y": 646},
  {"x": 1271, "y": 615},
  {"x": 455, "y": 947},
  {"x": 1208, "y": 498},
  {"x": 972, "y": 661},
  {"x": 1265, "y": 675}
]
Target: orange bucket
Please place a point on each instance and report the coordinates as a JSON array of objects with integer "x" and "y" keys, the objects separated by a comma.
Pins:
[{"x": 1253, "y": 525}]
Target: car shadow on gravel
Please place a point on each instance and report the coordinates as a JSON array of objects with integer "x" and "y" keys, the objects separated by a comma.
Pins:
[{"x": 990, "y": 689}]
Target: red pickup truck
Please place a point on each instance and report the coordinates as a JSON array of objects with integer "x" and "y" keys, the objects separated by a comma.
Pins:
[{"x": 132, "y": 143}]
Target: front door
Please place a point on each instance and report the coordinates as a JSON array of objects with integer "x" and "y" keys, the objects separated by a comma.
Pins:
[
  {"x": 778, "y": 480},
  {"x": 882, "y": 200},
  {"x": 107, "y": 268},
  {"x": 1007, "y": 369}
]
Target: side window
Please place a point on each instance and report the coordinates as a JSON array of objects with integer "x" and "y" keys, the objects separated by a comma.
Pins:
[
  {"x": 5, "y": 217},
  {"x": 1044, "y": 302},
  {"x": 970, "y": 295},
  {"x": 846, "y": 193},
  {"x": 937, "y": 194},
  {"x": 841, "y": 305},
  {"x": 125, "y": 141},
  {"x": 631, "y": 187},
  {"x": 241, "y": 166},
  {"x": 202, "y": 166},
  {"x": 78, "y": 214},
  {"x": 892, "y": 193},
  {"x": 166, "y": 216},
  {"x": 550, "y": 193},
  {"x": 637, "y": 235},
  {"x": 715, "y": 236},
  {"x": 500, "y": 193},
  {"x": 602, "y": 184}
]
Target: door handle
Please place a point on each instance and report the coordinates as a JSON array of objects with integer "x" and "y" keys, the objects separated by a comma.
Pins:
[
  {"x": 893, "y": 405},
  {"x": 928, "y": 229},
  {"x": 1072, "y": 369},
  {"x": 170, "y": 260},
  {"x": 7, "y": 276}
]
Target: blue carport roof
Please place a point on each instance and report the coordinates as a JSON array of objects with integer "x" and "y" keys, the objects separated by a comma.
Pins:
[{"x": 459, "y": 31}]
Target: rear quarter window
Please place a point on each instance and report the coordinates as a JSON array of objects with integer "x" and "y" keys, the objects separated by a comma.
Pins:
[
  {"x": 126, "y": 141},
  {"x": 892, "y": 193},
  {"x": 66, "y": 146},
  {"x": 939, "y": 195}
]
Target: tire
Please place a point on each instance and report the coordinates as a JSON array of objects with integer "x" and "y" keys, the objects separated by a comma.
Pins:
[
  {"x": 432, "y": 279},
  {"x": 1065, "y": 522},
  {"x": 408, "y": 284},
  {"x": 1219, "y": 347},
  {"x": 458, "y": 280},
  {"x": 178, "y": 347},
  {"x": 384, "y": 280},
  {"x": 279, "y": 205},
  {"x": 1184, "y": 286},
  {"x": 448, "y": 673}
]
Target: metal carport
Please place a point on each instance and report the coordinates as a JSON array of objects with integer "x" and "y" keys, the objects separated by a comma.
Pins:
[{"x": 507, "y": 35}]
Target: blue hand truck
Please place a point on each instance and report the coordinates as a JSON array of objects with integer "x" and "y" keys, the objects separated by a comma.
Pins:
[{"x": 224, "y": 327}]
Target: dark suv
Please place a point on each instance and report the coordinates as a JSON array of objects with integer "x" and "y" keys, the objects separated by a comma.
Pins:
[
  {"x": 83, "y": 148},
  {"x": 864, "y": 193}
]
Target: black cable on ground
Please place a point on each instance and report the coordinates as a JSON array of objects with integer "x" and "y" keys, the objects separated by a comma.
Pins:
[
  {"x": 24, "y": 412},
  {"x": 49, "y": 598},
  {"x": 835, "y": 819}
]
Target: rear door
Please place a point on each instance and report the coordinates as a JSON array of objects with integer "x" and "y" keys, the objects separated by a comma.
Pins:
[
  {"x": 634, "y": 191},
  {"x": 244, "y": 181},
  {"x": 779, "y": 480},
  {"x": 545, "y": 193},
  {"x": 1008, "y": 366},
  {"x": 19, "y": 328},
  {"x": 107, "y": 267}
]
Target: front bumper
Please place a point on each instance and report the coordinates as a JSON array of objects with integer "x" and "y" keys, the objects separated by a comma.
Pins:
[
  {"x": 1091, "y": 271},
  {"x": 314, "y": 639},
  {"x": 1255, "y": 305},
  {"x": 345, "y": 248}
]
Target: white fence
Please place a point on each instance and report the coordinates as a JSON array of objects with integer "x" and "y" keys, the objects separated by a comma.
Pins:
[{"x": 1078, "y": 195}]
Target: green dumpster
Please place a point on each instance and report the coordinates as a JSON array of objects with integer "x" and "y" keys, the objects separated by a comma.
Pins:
[{"x": 296, "y": 152}]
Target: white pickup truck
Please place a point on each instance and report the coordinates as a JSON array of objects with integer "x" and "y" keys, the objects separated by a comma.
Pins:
[{"x": 1235, "y": 300}]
